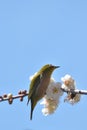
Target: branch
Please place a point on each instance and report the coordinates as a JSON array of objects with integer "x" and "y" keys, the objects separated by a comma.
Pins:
[
  {"x": 24, "y": 93},
  {"x": 9, "y": 97},
  {"x": 75, "y": 91}
]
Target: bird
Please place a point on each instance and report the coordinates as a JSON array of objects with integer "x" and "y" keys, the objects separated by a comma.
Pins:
[{"x": 39, "y": 84}]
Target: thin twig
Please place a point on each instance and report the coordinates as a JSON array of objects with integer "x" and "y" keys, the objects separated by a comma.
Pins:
[
  {"x": 13, "y": 97},
  {"x": 75, "y": 91},
  {"x": 10, "y": 97},
  {"x": 24, "y": 93}
]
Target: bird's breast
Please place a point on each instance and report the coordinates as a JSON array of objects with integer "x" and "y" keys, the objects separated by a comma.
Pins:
[{"x": 41, "y": 90}]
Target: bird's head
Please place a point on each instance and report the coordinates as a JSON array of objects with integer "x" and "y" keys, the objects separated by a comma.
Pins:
[{"x": 48, "y": 68}]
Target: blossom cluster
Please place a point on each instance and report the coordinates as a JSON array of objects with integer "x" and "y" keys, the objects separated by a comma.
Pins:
[
  {"x": 52, "y": 97},
  {"x": 69, "y": 83}
]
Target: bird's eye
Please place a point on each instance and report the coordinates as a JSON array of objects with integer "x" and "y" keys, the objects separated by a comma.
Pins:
[{"x": 50, "y": 65}]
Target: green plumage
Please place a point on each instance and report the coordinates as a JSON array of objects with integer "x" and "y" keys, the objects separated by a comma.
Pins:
[{"x": 39, "y": 84}]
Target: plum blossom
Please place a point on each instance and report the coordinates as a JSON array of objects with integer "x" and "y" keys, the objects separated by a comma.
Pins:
[
  {"x": 52, "y": 97},
  {"x": 69, "y": 83}
]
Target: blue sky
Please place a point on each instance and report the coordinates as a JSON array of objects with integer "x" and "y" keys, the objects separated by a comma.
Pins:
[{"x": 32, "y": 34}]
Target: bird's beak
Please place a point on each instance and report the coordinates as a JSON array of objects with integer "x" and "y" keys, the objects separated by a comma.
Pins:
[{"x": 56, "y": 67}]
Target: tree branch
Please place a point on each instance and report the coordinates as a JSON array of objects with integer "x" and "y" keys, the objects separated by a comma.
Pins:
[
  {"x": 75, "y": 91},
  {"x": 24, "y": 93},
  {"x": 9, "y": 97}
]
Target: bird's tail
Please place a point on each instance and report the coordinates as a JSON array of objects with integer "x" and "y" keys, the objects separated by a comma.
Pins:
[
  {"x": 28, "y": 101},
  {"x": 32, "y": 107},
  {"x": 31, "y": 114},
  {"x": 33, "y": 104}
]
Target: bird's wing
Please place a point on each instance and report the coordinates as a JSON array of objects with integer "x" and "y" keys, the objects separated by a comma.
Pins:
[{"x": 34, "y": 84}]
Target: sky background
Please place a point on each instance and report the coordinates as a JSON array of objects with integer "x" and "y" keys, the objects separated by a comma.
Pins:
[{"x": 34, "y": 33}]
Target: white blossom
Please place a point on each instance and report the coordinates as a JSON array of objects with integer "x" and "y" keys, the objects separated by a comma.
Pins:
[
  {"x": 52, "y": 97},
  {"x": 72, "y": 99},
  {"x": 69, "y": 83}
]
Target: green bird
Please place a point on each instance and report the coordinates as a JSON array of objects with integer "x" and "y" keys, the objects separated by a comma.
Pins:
[{"x": 39, "y": 84}]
